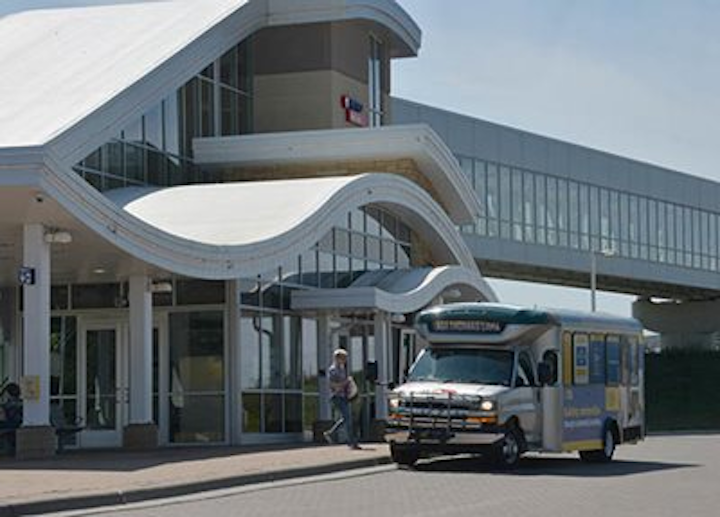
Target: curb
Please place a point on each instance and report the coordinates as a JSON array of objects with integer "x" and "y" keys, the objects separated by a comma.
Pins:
[{"x": 146, "y": 494}]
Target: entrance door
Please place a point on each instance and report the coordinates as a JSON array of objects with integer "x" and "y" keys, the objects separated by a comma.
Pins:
[{"x": 103, "y": 383}]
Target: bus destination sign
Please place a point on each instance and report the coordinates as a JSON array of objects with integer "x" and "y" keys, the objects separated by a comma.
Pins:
[{"x": 467, "y": 326}]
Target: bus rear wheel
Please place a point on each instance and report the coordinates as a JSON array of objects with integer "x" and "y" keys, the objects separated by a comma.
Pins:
[{"x": 605, "y": 454}]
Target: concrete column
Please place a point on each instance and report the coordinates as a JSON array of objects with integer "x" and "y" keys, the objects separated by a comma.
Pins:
[
  {"x": 141, "y": 433},
  {"x": 36, "y": 439},
  {"x": 324, "y": 353},
  {"x": 382, "y": 346}
]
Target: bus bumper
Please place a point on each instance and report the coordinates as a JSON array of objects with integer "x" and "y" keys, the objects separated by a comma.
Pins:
[{"x": 438, "y": 438}]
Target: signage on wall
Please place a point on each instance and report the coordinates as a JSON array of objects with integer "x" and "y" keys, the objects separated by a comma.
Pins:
[
  {"x": 26, "y": 276},
  {"x": 354, "y": 111}
]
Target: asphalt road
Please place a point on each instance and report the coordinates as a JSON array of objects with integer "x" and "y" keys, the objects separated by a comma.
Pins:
[{"x": 664, "y": 476}]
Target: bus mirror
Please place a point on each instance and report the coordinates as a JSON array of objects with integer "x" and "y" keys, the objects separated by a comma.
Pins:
[{"x": 544, "y": 373}]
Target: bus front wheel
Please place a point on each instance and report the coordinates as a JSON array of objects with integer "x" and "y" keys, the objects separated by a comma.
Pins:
[{"x": 508, "y": 450}]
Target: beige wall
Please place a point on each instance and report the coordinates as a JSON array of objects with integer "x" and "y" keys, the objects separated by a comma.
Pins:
[
  {"x": 303, "y": 100},
  {"x": 301, "y": 72}
]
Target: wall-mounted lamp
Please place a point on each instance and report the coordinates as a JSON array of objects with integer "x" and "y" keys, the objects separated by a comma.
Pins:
[
  {"x": 161, "y": 287},
  {"x": 397, "y": 318},
  {"x": 58, "y": 237},
  {"x": 452, "y": 294}
]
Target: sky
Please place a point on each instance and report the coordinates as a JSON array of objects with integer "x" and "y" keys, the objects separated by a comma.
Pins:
[{"x": 637, "y": 78}]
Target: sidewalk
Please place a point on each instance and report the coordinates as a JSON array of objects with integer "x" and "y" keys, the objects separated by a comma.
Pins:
[{"x": 87, "y": 479}]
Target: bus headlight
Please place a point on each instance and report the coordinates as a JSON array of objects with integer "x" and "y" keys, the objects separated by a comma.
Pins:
[
  {"x": 393, "y": 403},
  {"x": 487, "y": 405}
]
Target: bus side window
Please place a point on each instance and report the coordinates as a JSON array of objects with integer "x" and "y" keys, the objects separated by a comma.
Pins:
[
  {"x": 581, "y": 359},
  {"x": 550, "y": 358},
  {"x": 634, "y": 362},
  {"x": 612, "y": 355}
]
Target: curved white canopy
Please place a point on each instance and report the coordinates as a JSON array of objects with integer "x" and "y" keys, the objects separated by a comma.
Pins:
[
  {"x": 399, "y": 291},
  {"x": 247, "y": 226}
]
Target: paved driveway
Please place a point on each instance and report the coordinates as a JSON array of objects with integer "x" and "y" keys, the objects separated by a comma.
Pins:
[{"x": 669, "y": 476}]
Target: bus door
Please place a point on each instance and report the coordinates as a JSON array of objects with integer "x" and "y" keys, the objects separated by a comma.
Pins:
[
  {"x": 551, "y": 404},
  {"x": 526, "y": 397},
  {"x": 407, "y": 352}
]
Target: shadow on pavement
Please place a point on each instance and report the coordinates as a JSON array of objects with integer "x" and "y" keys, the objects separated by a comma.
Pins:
[{"x": 544, "y": 466}]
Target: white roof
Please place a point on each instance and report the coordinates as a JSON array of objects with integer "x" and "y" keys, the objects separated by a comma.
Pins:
[
  {"x": 230, "y": 214},
  {"x": 63, "y": 59}
]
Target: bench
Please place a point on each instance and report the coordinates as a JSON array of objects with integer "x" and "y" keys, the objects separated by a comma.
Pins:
[
  {"x": 63, "y": 428},
  {"x": 7, "y": 440}
]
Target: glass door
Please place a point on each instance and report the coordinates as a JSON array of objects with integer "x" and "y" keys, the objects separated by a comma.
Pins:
[{"x": 103, "y": 384}]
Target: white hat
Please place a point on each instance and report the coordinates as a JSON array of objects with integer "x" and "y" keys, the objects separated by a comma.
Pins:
[{"x": 339, "y": 352}]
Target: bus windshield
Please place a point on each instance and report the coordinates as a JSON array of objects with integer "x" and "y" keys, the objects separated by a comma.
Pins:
[{"x": 463, "y": 365}]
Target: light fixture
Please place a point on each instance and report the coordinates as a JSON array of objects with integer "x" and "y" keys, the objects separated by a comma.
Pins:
[
  {"x": 452, "y": 294},
  {"x": 99, "y": 271},
  {"x": 58, "y": 237},
  {"x": 397, "y": 318},
  {"x": 161, "y": 287}
]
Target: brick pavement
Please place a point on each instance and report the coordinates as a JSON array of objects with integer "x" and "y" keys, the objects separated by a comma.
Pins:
[{"x": 85, "y": 479}]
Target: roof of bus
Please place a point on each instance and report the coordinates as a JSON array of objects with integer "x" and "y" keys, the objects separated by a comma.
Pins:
[{"x": 511, "y": 314}]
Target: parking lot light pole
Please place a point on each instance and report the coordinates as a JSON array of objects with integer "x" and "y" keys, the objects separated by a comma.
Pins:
[{"x": 593, "y": 273}]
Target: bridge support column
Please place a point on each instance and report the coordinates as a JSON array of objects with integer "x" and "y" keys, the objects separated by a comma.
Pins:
[{"x": 691, "y": 324}]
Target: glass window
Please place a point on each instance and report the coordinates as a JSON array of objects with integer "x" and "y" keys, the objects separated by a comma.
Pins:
[
  {"x": 597, "y": 359},
  {"x": 696, "y": 234},
  {"x": 505, "y": 202},
  {"x": 96, "y": 296},
  {"x": 197, "y": 377},
  {"x": 517, "y": 205},
  {"x": 525, "y": 374},
  {"x": 595, "y": 218},
  {"x": 662, "y": 232},
  {"x": 671, "y": 232},
  {"x": 562, "y": 212},
  {"x": 480, "y": 184},
  {"x": 574, "y": 214},
  {"x": 584, "y": 203},
  {"x": 612, "y": 354},
  {"x": 375, "y": 82},
  {"x": 581, "y": 359},
  {"x": 615, "y": 221},
  {"x": 679, "y": 235},
  {"x": 624, "y": 226},
  {"x": 63, "y": 357},
  {"x": 540, "y": 212},
  {"x": 634, "y": 228},
  {"x": 643, "y": 213},
  {"x": 552, "y": 211},
  {"x": 493, "y": 200},
  {"x": 652, "y": 230},
  {"x": 199, "y": 292},
  {"x": 171, "y": 124},
  {"x": 154, "y": 128},
  {"x": 713, "y": 242},
  {"x": 687, "y": 219},
  {"x": 529, "y": 206}
]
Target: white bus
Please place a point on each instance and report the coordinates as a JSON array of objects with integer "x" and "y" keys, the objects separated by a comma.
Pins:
[{"x": 502, "y": 380}]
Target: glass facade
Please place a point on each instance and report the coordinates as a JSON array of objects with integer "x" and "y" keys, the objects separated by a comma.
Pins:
[
  {"x": 375, "y": 82},
  {"x": 537, "y": 208},
  {"x": 157, "y": 148},
  {"x": 279, "y": 347}
]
